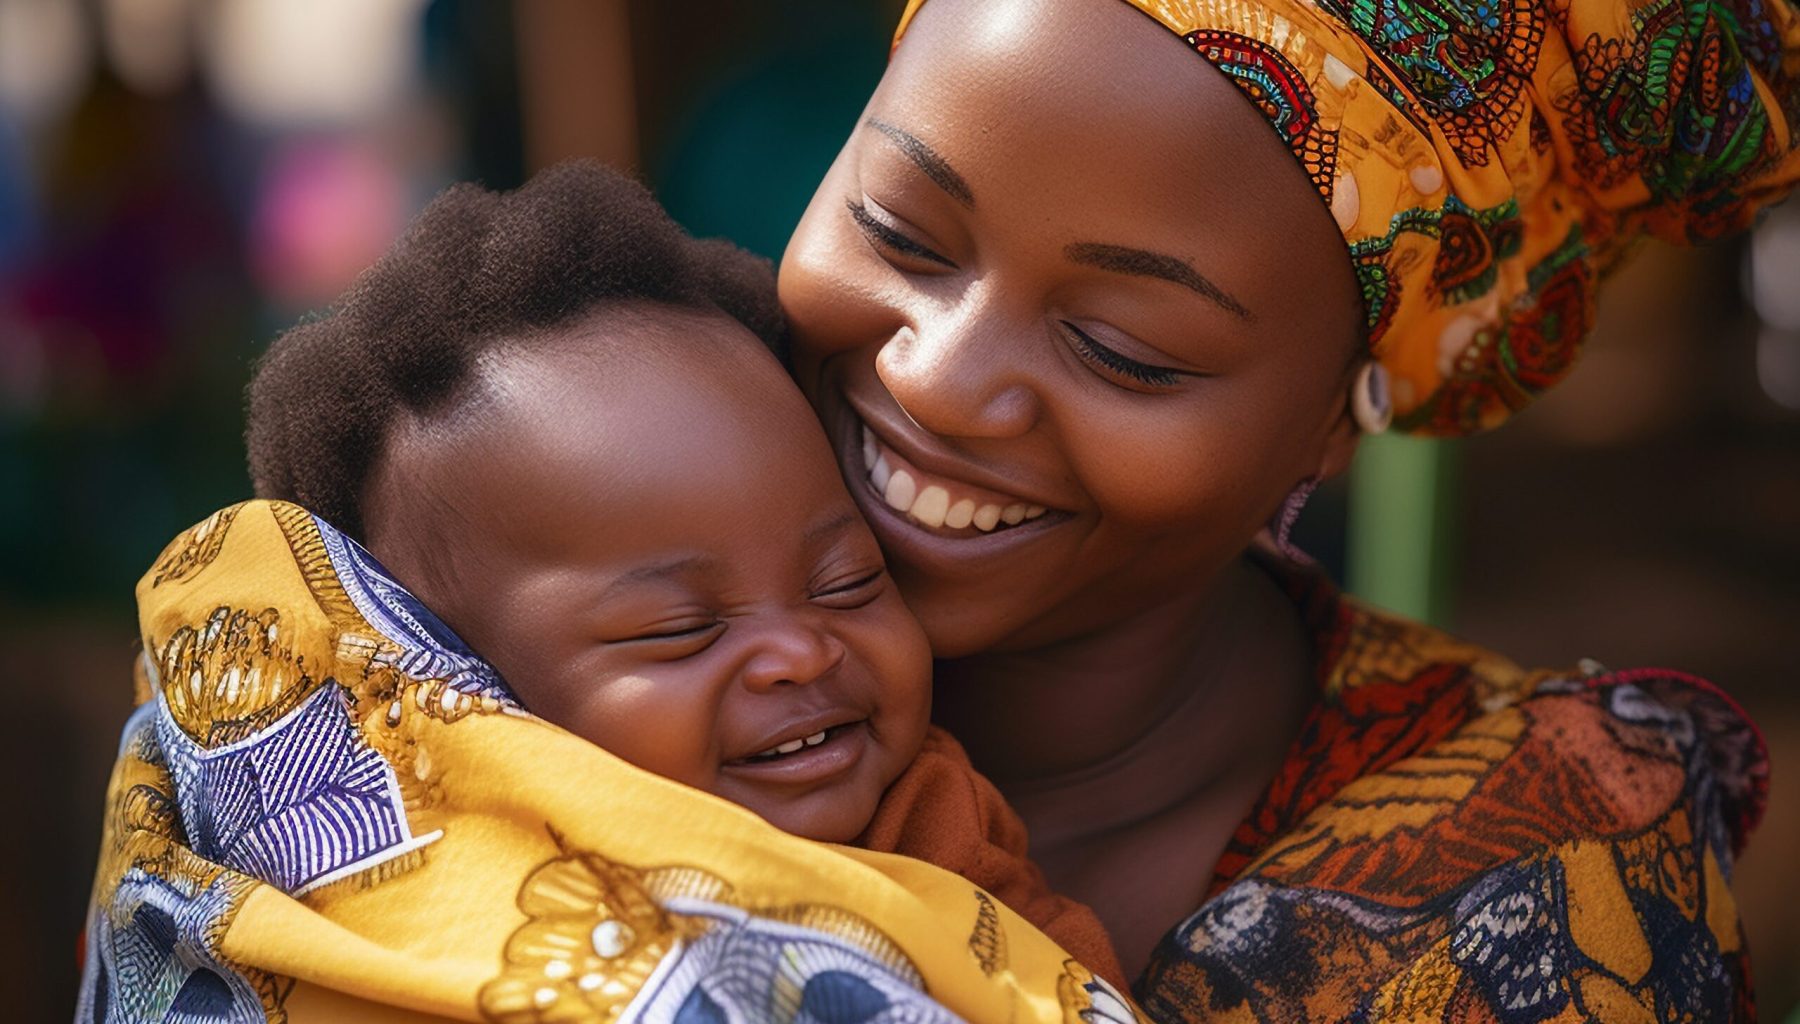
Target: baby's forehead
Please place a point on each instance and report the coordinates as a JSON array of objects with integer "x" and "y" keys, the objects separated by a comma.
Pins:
[
  {"x": 601, "y": 463},
  {"x": 630, "y": 399},
  {"x": 620, "y": 346}
]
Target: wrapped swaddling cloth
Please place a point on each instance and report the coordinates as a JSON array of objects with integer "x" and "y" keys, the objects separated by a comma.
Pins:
[{"x": 328, "y": 808}]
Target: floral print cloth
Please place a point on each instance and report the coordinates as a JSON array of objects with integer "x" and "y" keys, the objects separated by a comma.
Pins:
[{"x": 1452, "y": 838}]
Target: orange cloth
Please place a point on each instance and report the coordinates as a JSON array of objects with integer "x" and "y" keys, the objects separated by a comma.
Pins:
[{"x": 944, "y": 812}]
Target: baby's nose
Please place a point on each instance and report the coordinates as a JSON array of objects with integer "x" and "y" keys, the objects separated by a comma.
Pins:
[{"x": 792, "y": 653}]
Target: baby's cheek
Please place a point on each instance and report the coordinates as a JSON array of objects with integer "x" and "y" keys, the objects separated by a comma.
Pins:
[
  {"x": 666, "y": 749},
  {"x": 900, "y": 657},
  {"x": 661, "y": 737}
]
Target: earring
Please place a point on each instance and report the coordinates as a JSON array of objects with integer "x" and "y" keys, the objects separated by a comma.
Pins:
[
  {"x": 1370, "y": 402},
  {"x": 1283, "y": 526}
]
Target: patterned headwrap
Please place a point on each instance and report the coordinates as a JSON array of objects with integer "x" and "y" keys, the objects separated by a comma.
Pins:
[{"x": 1488, "y": 160}]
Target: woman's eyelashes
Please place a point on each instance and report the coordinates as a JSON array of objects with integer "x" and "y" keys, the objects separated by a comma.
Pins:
[
  {"x": 1113, "y": 363},
  {"x": 884, "y": 236}
]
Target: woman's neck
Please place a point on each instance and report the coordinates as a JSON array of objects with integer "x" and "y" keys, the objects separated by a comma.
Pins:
[{"x": 1200, "y": 693}]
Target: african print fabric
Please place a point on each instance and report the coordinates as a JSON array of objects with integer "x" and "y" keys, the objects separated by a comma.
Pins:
[
  {"x": 1488, "y": 160},
  {"x": 1452, "y": 838},
  {"x": 327, "y": 808}
]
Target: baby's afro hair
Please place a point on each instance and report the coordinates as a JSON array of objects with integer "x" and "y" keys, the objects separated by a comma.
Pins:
[{"x": 476, "y": 270}]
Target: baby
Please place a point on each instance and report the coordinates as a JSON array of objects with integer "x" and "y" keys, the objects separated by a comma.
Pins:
[{"x": 562, "y": 424}]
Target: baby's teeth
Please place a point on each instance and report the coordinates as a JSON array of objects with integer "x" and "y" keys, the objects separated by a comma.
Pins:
[
  {"x": 879, "y": 473},
  {"x": 987, "y": 517},
  {"x": 1013, "y": 515},
  {"x": 793, "y": 745},
  {"x": 931, "y": 506},
  {"x": 871, "y": 451},
  {"x": 1033, "y": 511},
  {"x": 960, "y": 514},
  {"x": 900, "y": 491}
]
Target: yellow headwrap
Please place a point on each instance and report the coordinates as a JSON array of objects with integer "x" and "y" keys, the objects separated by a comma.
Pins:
[{"x": 1487, "y": 160}]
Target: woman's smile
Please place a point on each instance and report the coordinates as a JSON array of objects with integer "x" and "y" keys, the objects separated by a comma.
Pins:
[
  {"x": 931, "y": 505},
  {"x": 940, "y": 504}
]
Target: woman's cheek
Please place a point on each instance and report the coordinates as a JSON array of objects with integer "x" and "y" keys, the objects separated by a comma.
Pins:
[
  {"x": 832, "y": 311},
  {"x": 1160, "y": 473},
  {"x": 827, "y": 286}
]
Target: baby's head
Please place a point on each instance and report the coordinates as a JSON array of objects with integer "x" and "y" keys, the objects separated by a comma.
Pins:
[{"x": 557, "y": 419}]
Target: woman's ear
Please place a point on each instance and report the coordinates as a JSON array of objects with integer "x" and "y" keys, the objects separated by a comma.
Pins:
[
  {"x": 1341, "y": 439},
  {"x": 1366, "y": 407}
]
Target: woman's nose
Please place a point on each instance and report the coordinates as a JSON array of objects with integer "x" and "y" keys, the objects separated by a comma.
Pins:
[
  {"x": 791, "y": 653},
  {"x": 962, "y": 375}
]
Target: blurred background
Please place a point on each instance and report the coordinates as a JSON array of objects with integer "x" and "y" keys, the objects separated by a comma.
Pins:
[{"x": 181, "y": 179}]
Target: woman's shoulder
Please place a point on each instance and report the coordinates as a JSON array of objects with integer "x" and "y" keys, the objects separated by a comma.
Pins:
[
  {"x": 1453, "y": 831},
  {"x": 1393, "y": 689},
  {"x": 1633, "y": 739}
]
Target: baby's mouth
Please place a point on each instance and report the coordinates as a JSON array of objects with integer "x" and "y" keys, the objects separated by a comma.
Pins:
[
  {"x": 799, "y": 750},
  {"x": 939, "y": 503},
  {"x": 781, "y": 750}
]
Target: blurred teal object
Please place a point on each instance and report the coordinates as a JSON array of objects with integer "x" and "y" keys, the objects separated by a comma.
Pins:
[
  {"x": 1401, "y": 493},
  {"x": 755, "y": 145},
  {"x": 15, "y": 196}
]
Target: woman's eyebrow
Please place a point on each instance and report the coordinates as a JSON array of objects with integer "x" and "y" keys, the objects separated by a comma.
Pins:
[
  {"x": 1141, "y": 262},
  {"x": 935, "y": 167}
]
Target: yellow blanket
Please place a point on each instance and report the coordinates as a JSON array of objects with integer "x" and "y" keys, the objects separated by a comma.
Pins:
[{"x": 327, "y": 808}]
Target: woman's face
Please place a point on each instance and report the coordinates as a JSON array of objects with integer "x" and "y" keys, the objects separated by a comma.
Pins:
[{"x": 1065, "y": 273}]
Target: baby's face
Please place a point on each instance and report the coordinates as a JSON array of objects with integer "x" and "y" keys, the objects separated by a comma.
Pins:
[{"x": 655, "y": 550}]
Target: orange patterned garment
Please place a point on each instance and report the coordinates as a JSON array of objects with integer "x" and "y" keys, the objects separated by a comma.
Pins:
[
  {"x": 944, "y": 812},
  {"x": 1453, "y": 838}
]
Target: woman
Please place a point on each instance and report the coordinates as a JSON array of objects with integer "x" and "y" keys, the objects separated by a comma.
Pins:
[
  {"x": 1067, "y": 303},
  {"x": 1061, "y": 268}
]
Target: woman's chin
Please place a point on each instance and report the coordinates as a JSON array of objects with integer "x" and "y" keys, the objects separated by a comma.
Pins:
[{"x": 959, "y": 624}]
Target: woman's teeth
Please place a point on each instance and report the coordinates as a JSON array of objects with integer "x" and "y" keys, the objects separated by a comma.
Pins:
[
  {"x": 936, "y": 502},
  {"x": 792, "y": 746}
]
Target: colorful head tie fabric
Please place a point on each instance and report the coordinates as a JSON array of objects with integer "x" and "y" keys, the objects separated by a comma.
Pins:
[{"x": 1487, "y": 160}]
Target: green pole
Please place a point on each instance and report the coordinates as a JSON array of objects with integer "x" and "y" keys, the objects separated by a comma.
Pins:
[{"x": 1400, "y": 525}]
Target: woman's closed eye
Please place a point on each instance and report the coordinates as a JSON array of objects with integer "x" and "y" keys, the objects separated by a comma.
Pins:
[
  {"x": 1113, "y": 365},
  {"x": 886, "y": 236}
]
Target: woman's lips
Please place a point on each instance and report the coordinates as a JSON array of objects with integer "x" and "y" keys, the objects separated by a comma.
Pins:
[
  {"x": 895, "y": 489},
  {"x": 938, "y": 501}
]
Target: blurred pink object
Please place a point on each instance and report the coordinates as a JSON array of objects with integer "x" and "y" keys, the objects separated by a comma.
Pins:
[{"x": 326, "y": 210}]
